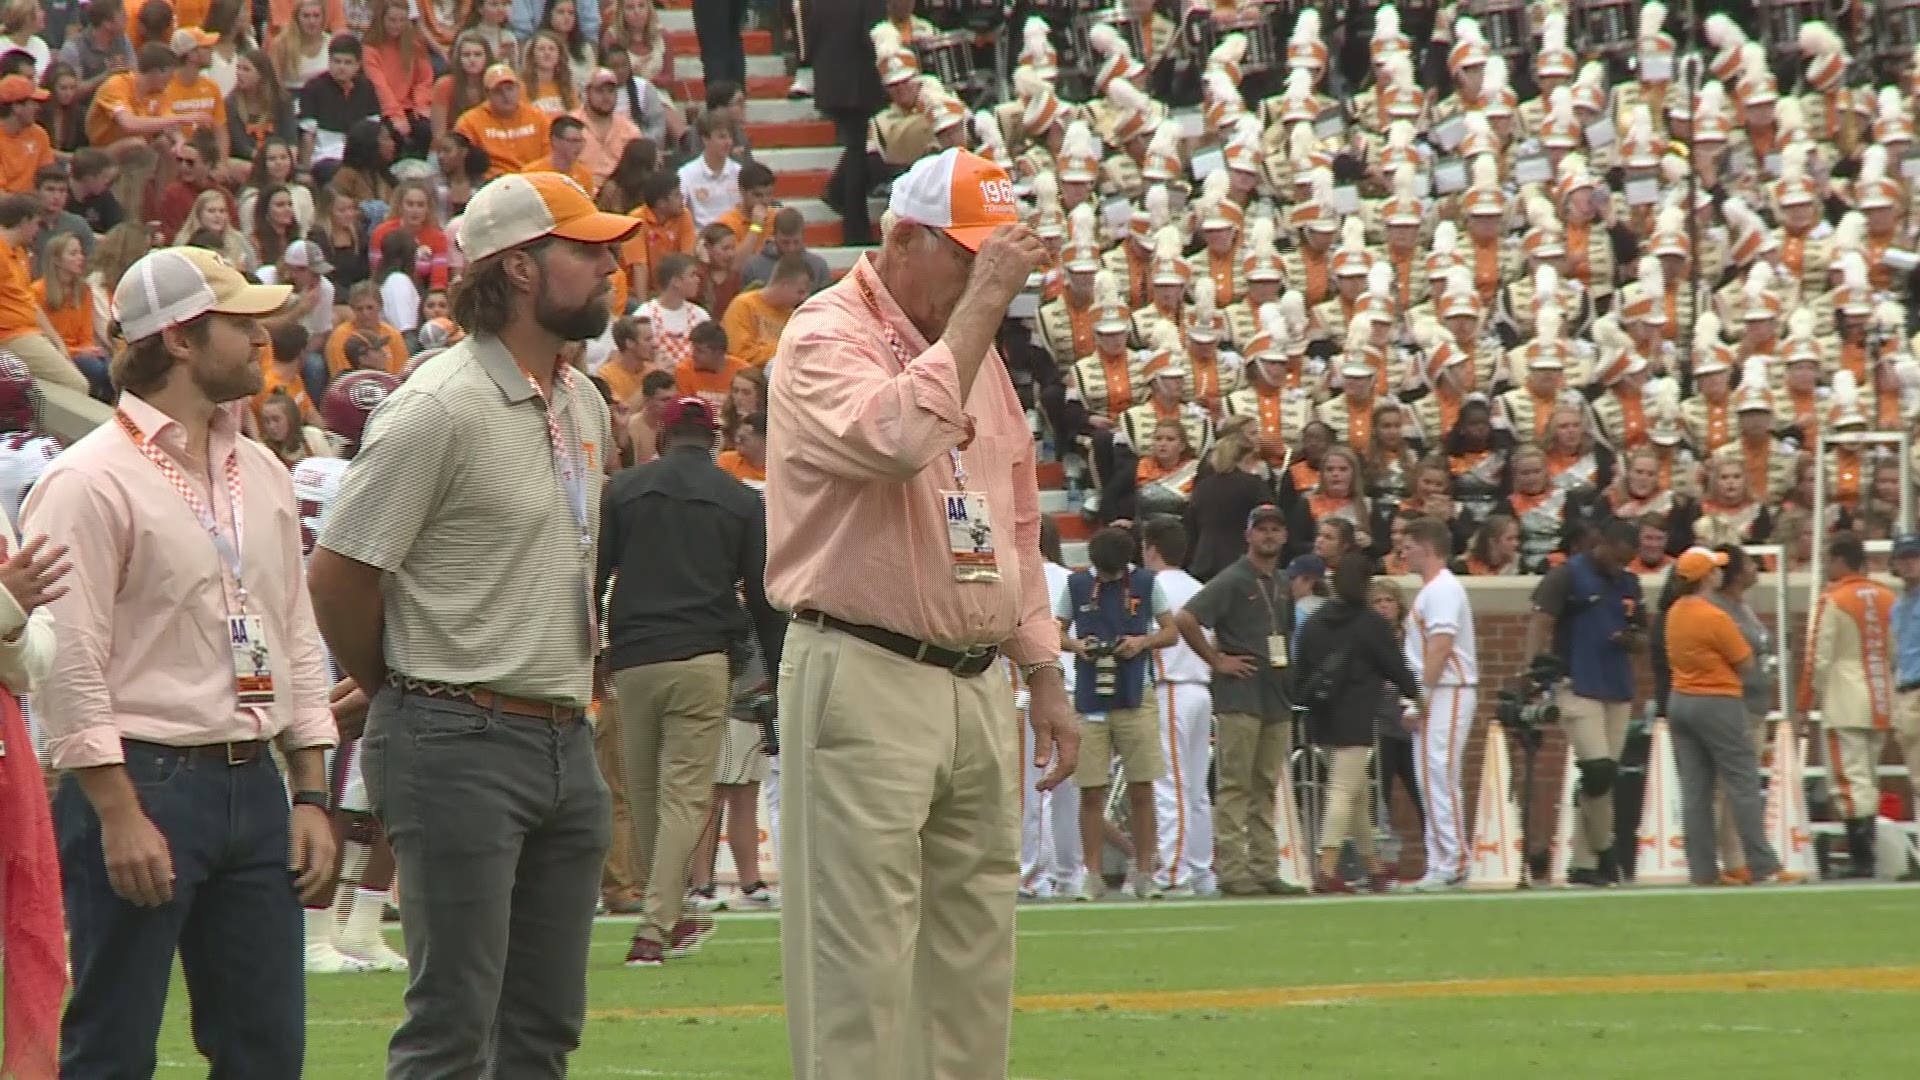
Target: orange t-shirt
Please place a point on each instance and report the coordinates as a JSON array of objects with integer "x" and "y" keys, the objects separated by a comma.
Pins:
[
  {"x": 513, "y": 142},
  {"x": 743, "y": 235},
  {"x": 740, "y": 468},
  {"x": 19, "y": 312},
  {"x": 711, "y": 385},
  {"x": 336, "y": 350},
  {"x": 74, "y": 322},
  {"x": 290, "y": 384},
  {"x": 199, "y": 99},
  {"x": 119, "y": 92},
  {"x": 655, "y": 241},
  {"x": 579, "y": 173},
  {"x": 621, "y": 382},
  {"x": 22, "y": 155},
  {"x": 1704, "y": 645}
]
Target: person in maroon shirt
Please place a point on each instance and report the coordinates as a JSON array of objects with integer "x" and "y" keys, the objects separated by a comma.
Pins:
[{"x": 193, "y": 173}]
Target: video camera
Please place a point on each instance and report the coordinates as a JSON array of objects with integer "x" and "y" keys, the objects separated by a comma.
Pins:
[
  {"x": 1529, "y": 704},
  {"x": 759, "y": 707}
]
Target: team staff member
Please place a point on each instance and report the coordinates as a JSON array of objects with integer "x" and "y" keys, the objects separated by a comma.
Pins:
[
  {"x": 1851, "y": 668},
  {"x": 454, "y": 578},
  {"x": 1708, "y": 658},
  {"x": 1906, "y": 633},
  {"x": 1591, "y": 606},
  {"x": 903, "y": 533},
  {"x": 1116, "y": 605},
  {"x": 1250, "y": 609},
  {"x": 1440, "y": 649},
  {"x": 185, "y": 647},
  {"x": 681, "y": 541},
  {"x": 1181, "y": 805}
]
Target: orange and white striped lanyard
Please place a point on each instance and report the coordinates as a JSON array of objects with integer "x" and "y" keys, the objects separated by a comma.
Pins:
[
  {"x": 900, "y": 354},
  {"x": 229, "y": 549},
  {"x": 563, "y": 461}
]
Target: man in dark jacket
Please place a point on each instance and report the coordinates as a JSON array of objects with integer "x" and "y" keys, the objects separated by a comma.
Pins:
[
  {"x": 847, "y": 89},
  {"x": 680, "y": 540},
  {"x": 1346, "y": 656}
]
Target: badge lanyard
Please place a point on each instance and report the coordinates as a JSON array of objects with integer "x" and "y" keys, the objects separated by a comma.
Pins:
[
  {"x": 229, "y": 549},
  {"x": 574, "y": 484},
  {"x": 900, "y": 354}
]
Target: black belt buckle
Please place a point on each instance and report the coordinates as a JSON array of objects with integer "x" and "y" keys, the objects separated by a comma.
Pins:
[{"x": 1907, "y": 687}]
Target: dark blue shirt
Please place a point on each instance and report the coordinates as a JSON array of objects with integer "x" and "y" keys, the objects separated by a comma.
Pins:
[{"x": 1593, "y": 612}]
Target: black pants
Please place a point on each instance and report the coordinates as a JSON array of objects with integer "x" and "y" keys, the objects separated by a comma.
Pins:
[
  {"x": 1396, "y": 763},
  {"x": 722, "y": 55},
  {"x": 851, "y": 180}
]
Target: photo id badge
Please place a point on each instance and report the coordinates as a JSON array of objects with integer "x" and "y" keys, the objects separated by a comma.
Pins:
[
  {"x": 252, "y": 663},
  {"x": 970, "y": 536},
  {"x": 1277, "y": 650}
]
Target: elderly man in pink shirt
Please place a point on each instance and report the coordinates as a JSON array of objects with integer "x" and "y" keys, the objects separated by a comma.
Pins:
[
  {"x": 903, "y": 534},
  {"x": 185, "y": 647}
]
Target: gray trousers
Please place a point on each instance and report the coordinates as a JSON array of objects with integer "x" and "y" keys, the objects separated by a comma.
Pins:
[
  {"x": 499, "y": 826},
  {"x": 1712, "y": 743}
]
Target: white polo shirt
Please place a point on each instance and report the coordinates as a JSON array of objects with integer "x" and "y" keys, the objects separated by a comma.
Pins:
[
  {"x": 1442, "y": 608},
  {"x": 710, "y": 194}
]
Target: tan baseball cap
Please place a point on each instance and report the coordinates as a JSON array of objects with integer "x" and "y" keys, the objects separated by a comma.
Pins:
[
  {"x": 179, "y": 284},
  {"x": 520, "y": 208}
]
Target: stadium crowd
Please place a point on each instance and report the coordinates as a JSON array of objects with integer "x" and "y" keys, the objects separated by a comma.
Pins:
[{"x": 1320, "y": 309}]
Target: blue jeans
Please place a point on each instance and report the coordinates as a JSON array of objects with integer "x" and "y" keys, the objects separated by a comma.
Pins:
[
  {"x": 313, "y": 372},
  {"x": 99, "y": 379},
  {"x": 500, "y": 825},
  {"x": 234, "y": 920}
]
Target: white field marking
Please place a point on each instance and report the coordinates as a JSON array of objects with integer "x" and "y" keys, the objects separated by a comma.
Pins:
[
  {"x": 629, "y": 1070},
  {"x": 1132, "y": 931},
  {"x": 1627, "y": 892}
]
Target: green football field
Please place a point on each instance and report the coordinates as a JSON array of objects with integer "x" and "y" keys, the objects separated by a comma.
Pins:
[{"x": 1779, "y": 982}]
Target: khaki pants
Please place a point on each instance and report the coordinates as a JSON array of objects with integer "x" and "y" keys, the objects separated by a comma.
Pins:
[
  {"x": 1249, "y": 762},
  {"x": 617, "y": 880},
  {"x": 674, "y": 715},
  {"x": 1733, "y": 853},
  {"x": 45, "y": 362},
  {"x": 1348, "y": 802},
  {"x": 1853, "y": 761},
  {"x": 1595, "y": 729},
  {"x": 899, "y": 863},
  {"x": 1906, "y": 732}
]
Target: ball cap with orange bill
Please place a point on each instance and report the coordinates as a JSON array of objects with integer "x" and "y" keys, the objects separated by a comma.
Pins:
[
  {"x": 497, "y": 74},
  {"x": 176, "y": 285},
  {"x": 520, "y": 208},
  {"x": 1696, "y": 563},
  {"x": 960, "y": 193},
  {"x": 18, "y": 88}
]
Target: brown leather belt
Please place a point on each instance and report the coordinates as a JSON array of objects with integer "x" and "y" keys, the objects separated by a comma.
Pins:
[
  {"x": 551, "y": 712},
  {"x": 228, "y": 754}
]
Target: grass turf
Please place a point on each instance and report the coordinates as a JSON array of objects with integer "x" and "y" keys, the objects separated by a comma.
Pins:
[{"x": 1402, "y": 987}]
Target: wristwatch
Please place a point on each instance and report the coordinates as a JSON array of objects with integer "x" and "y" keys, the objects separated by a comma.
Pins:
[
  {"x": 312, "y": 798},
  {"x": 1027, "y": 670}
]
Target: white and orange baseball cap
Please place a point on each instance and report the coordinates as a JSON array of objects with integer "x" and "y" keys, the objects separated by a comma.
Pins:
[
  {"x": 177, "y": 285},
  {"x": 962, "y": 194},
  {"x": 520, "y": 208}
]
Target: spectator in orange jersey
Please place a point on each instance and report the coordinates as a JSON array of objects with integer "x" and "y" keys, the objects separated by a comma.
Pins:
[
  {"x": 747, "y": 461},
  {"x": 512, "y": 132},
  {"x": 708, "y": 372}
]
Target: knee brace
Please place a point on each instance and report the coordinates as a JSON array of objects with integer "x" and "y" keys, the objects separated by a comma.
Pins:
[{"x": 1597, "y": 776}]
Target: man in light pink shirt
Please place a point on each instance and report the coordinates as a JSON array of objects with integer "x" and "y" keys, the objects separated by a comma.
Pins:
[
  {"x": 904, "y": 527},
  {"x": 608, "y": 132},
  {"x": 185, "y": 647}
]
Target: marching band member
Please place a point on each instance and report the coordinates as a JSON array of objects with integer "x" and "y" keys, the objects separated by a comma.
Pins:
[
  {"x": 1079, "y": 166},
  {"x": 1765, "y": 462},
  {"x": 1828, "y": 103},
  {"x": 1066, "y": 322},
  {"x": 1263, "y": 275},
  {"x": 1847, "y": 464},
  {"x": 1553, "y": 68},
  {"x": 1402, "y": 216},
  {"x": 1212, "y": 373},
  {"x": 1467, "y": 61},
  {"x": 1310, "y": 262},
  {"x": 1546, "y": 251},
  {"x": 1679, "y": 466},
  {"x": 1491, "y": 260},
  {"x": 1350, "y": 266},
  {"x": 1540, "y": 506},
  {"x": 1575, "y": 460},
  {"x": 1274, "y": 395},
  {"x": 902, "y": 133},
  {"x": 1708, "y": 415},
  {"x": 1169, "y": 399},
  {"x": 1131, "y": 118},
  {"x": 1167, "y": 288},
  {"x": 1132, "y": 259},
  {"x": 1111, "y": 379},
  {"x": 1801, "y": 400},
  {"x": 1806, "y": 246},
  {"x": 1881, "y": 202},
  {"x": 1729, "y": 513},
  {"x": 1219, "y": 260},
  {"x": 1540, "y": 366},
  {"x": 1621, "y": 375}
]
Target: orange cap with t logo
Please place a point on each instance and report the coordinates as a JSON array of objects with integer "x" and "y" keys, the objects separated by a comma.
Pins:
[{"x": 962, "y": 194}]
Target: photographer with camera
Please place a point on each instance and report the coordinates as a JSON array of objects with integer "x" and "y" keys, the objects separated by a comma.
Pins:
[
  {"x": 1112, "y": 617},
  {"x": 1345, "y": 656},
  {"x": 1592, "y": 607}
]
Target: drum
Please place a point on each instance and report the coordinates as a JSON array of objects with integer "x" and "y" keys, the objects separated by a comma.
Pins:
[
  {"x": 1266, "y": 39},
  {"x": 1503, "y": 23},
  {"x": 1607, "y": 27},
  {"x": 1896, "y": 30},
  {"x": 1780, "y": 21},
  {"x": 948, "y": 57}
]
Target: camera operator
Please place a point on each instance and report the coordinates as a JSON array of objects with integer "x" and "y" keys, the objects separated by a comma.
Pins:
[
  {"x": 1251, "y": 611},
  {"x": 1345, "y": 655},
  {"x": 1592, "y": 607},
  {"x": 1112, "y": 617},
  {"x": 680, "y": 540}
]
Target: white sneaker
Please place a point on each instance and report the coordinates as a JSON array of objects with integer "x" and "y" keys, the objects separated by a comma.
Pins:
[
  {"x": 802, "y": 84},
  {"x": 324, "y": 959},
  {"x": 1431, "y": 884},
  {"x": 755, "y": 897},
  {"x": 1144, "y": 887},
  {"x": 1091, "y": 889},
  {"x": 703, "y": 901},
  {"x": 377, "y": 955}
]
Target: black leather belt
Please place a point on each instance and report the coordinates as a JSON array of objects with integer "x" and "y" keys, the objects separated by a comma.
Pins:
[
  {"x": 1906, "y": 686},
  {"x": 964, "y": 664},
  {"x": 229, "y": 754},
  {"x": 551, "y": 712}
]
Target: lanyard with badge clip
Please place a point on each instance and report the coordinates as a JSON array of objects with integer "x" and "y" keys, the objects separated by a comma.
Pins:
[
  {"x": 574, "y": 484},
  {"x": 1276, "y": 640},
  {"x": 969, "y": 530},
  {"x": 246, "y": 634}
]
